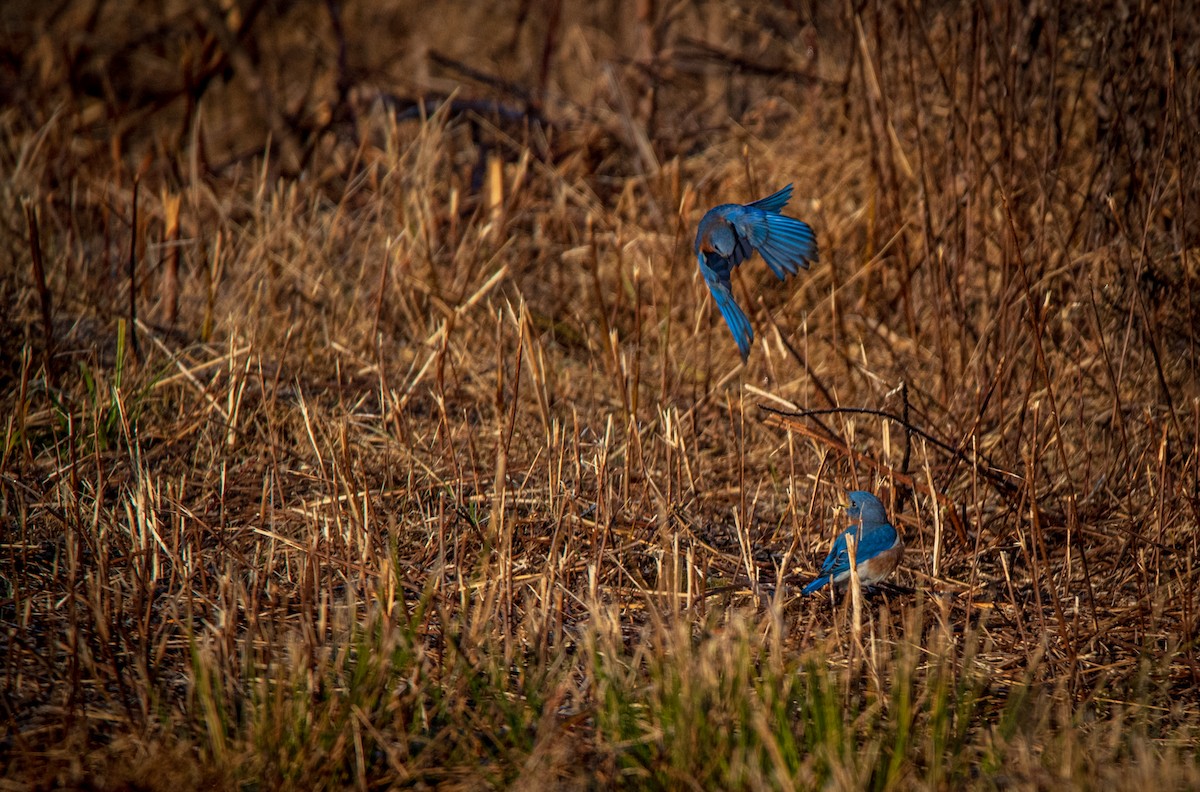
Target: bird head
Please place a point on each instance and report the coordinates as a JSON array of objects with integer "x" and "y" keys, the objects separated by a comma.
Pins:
[
  {"x": 865, "y": 507},
  {"x": 716, "y": 235}
]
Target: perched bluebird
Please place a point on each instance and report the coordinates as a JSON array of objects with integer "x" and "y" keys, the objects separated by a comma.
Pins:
[
  {"x": 878, "y": 546},
  {"x": 731, "y": 232}
]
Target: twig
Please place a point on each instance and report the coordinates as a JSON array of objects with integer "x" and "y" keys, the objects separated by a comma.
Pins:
[
  {"x": 802, "y": 360},
  {"x": 512, "y": 89},
  {"x": 704, "y": 51},
  {"x": 985, "y": 467},
  {"x": 39, "y": 281},
  {"x": 133, "y": 237},
  {"x": 908, "y": 433},
  {"x": 412, "y": 109}
]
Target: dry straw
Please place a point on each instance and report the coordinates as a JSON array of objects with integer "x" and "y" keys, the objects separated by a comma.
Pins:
[{"x": 436, "y": 467}]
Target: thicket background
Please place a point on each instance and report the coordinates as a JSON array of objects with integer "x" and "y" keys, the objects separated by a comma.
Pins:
[{"x": 366, "y": 422}]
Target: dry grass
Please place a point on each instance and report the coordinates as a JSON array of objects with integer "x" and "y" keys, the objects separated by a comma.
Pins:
[{"x": 365, "y": 422}]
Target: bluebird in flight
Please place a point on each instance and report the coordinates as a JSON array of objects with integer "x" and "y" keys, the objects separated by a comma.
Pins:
[
  {"x": 730, "y": 233},
  {"x": 877, "y": 545}
]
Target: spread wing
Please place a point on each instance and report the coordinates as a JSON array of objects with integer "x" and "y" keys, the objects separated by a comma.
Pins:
[
  {"x": 787, "y": 245},
  {"x": 775, "y": 201}
]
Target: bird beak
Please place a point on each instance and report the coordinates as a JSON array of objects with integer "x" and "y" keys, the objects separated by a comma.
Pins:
[{"x": 843, "y": 499}]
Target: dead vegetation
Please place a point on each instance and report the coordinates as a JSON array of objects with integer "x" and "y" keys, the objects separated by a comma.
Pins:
[{"x": 365, "y": 422}]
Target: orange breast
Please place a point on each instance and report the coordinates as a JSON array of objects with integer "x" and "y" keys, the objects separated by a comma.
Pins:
[{"x": 881, "y": 565}]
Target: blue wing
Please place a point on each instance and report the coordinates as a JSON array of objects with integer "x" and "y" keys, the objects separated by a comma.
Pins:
[
  {"x": 872, "y": 539},
  {"x": 785, "y": 243},
  {"x": 837, "y": 562},
  {"x": 775, "y": 201},
  {"x": 876, "y": 537}
]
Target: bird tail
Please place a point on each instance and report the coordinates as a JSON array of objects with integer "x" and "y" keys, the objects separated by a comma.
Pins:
[
  {"x": 739, "y": 325},
  {"x": 816, "y": 584},
  {"x": 788, "y": 245},
  {"x": 775, "y": 201}
]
